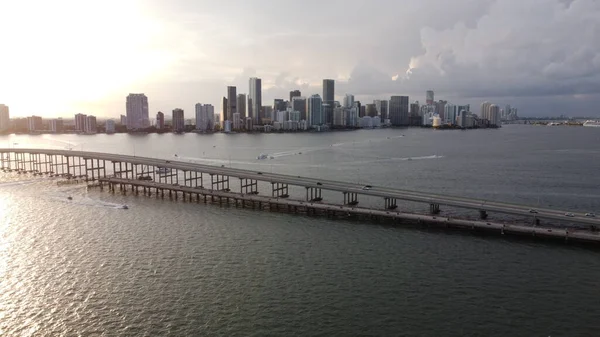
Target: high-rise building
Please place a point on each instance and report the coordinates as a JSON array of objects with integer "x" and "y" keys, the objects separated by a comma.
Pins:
[
  {"x": 279, "y": 104},
  {"x": 255, "y": 100},
  {"x": 485, "y": 110},
  {"x": 267, "y": 114},
  {"x": 90, "y": 125},
  {"x": 109, "y": 126},
  {"x": 178, "y": 120},
  {"x": 339, "y": 116},
  {"x": 299, "y": 104},
  {"x": 294, "y": 93},
  {"x": 4, "y": 118},
  {"x": 137, "y": 112},
  {"x": 237, "y": 121},
  {"x": 80, "y": 122},
  {"x": 57, "y": 125},
  {"x": 440, "y": 108},
  {"x": 429, "y": 97},
  {"x": 315, "y": 111},
  {"x": 205, "y": 117},
  {"x": 231, "y": 102},
  {"x": 348, "y": 101},
  {"x": 450, "y": 114},
  {"x": 328, "y": 100},
  {"x": 123, "y": 120},
  {"x": 371, "y": 110},
  {"x": 398, "y": 110},
  {"x": 242, "y": 99},
  {"x": 34, "y": 123},
  {"x": 223, "y": 116},
  {"x": 160, "y": 120},
  {"x": 382, "y": 107},
  {"x": 494, "y": 115}
]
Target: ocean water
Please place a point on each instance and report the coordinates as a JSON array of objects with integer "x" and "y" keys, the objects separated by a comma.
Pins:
[{"x": 170, "y": 268}]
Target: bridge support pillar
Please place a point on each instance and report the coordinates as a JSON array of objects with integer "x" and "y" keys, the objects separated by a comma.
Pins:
[
  {"x": 313, "y": 194},
  {"x": 390, "y": 203},
  {"x": 483, "y": 214},
  {"x": 279, "y": 190},
  {"x": 221, "y": 182},
  {"x": 350, "y": 198},
  {"x": 434, "y": 208}
]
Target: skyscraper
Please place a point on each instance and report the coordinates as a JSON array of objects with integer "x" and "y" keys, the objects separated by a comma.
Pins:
[
  {"x": 241, "y": 105},
  {"x": 160, "y": 120},
  {"x": 382, "y": 107},
  {"x": 398, "y": 109},
  {"x": 255, "y": 99},
  {"x": 90, "y": 125},
  {"x": 205, "y": 117},
  {"x": 348, "y": 101},
  {"x": 328, "y": 100},
  {"x": 4, "y": 118},
  {"x": 429, "y": 97},
  {"x": 485, "y": 110},
  {"x": 279, "y": 105},
  {"x": 294, "y": 93},
  {"x": 494, "y": 115},
  {"x": 137, "y": 111},
  {"x": 80, "y": 122},
  {"x": 178, "y": 120},
  {"x": 223, "y": 116},
  {"x": 299, "y": 104},
  {"x": 231, "y": 102},
  {"x": 315, "y": 111}
]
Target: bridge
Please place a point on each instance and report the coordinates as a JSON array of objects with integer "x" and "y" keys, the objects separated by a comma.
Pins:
[{"x": 214, "y": 181}]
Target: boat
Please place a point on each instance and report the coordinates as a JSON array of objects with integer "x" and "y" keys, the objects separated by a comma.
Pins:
[
  {"x": 262, "y": 156},
  {"x": 70, "y": 198},
  {"x": 553, "y": 124},
  {"x": 125, "y": 207},
  {"x": 163, "y": 170},
  {"x": 271, "y": 157},
  {"x": 592, "y": 123}
]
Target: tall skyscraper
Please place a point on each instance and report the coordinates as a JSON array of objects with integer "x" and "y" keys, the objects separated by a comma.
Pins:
[
  {"x": 348, "y": 101},
  {"x": 382, "y": 107},
  {"x": 241, "y": 105},
  {"x": 137, "y": 111},
  {"x": 4, "y": 118},
  {"x": 223, "y": 116},
  {"x": 178, "y": 120},
  {"x": 255, "y": 100},
  {"x": 205, "y": 117},
  {"x": 328, "y": 100},
  {"x": 398, "y": 109},
  {"x": 315, "y": 111},
  {"x": 231, "y": 102},
  {"x": 294, "y": 93},
  {"x": 299, "y": 104},
  {"x": 160, "y": 120},
  {"x": 485, "y": 110},
  {"x": 429, "y": 97},
  {"x": 80, "y": 122}
]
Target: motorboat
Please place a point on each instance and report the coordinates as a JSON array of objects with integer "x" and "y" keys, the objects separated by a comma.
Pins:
[
  {"x": 262, "y": 156},
  {"x": 125, "y": 207},
  {"x": 69, "y": 198}
]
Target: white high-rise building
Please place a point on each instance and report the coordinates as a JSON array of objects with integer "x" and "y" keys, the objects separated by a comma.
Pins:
[
  {"x": 255, "y": 100},
  {"x": 205, "y": 117},
  {"x": 237, "y": 121},
  {"x": 339, "y": 116},
  {"x": 450, "y": 113},
  {"x": 281, "y": 116},
  {"x": 137, "y": 112},
  {"x": 348, "y": 101},
  {"x": 4, "y": 118},
  {"x": 90, "y": 125},
  {"x": 494, "y": 115},
  {"x": 80, "y": 122}
]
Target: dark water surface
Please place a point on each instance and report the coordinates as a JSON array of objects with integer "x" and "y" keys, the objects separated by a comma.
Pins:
[{"x": 164, "y": 268}]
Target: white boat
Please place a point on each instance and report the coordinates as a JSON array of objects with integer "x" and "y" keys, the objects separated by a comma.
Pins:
[
  {"x": 262, "y": 156},
  {"x": 592, "y": 123}
]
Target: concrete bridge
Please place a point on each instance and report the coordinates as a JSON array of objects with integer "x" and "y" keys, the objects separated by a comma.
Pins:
[{"x": 179, "y": 176}]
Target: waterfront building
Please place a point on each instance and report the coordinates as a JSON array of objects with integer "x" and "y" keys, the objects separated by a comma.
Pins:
[
  {"x": 339, "y": 116},
  {"x": 315, "y": 111},
  {"x": 178, "y": 120},
  {"x": 34, "y": 123},
  {"x": 328, "y": 100},
  {"x": 371, "y": 110},
  {"x": 348, "y": 101},
  {"x": 205, "y": 117},
  {"x": 267, "y": 113},
  {"x": 282, "y": 116},
  {"x": 80, "y": 122},
  {"x": 429, "y": 97},
  {"x": 381, "y": 106},
  {"x": 4, "y": 118},
  {"x": 249, "y": 123},
  {"x": 352, "y": 115},
  {"x": 109, "y": 126},
  {"x": 90, "y": 125},
  {"x": 398, "y": 110},
  {"x": 295, "y": 93},
  {"x": 241, "y": 105},
  {"x": 160, "y": 120},
  {"x": 237, "y": 122},
  {"x": 294, "y": 116},
  {"x": 231, "y": 102},
  {"x": 450, "y": 114},
  {"x": 123, "y": 120},
  {"x": 57, "y": 125},
  {"x": 494, "y": 115},
  {"x": 137, "y": 111},
  {"x": 299, "y": 104},
  {"x": 366, "y": 122},
  {"x": 255, "y": 100},
  {"x": 279, "y": 105},
  {"x": 227, "y": 126}
]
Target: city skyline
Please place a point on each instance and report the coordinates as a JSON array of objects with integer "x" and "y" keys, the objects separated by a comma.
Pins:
[{"x": 488, "y": 50}]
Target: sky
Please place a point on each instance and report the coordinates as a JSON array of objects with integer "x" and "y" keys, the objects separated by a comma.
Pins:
[{"x": 62, "y": 57}]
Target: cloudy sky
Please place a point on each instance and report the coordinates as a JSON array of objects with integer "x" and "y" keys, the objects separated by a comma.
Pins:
[{"x": 67, "y": 56}]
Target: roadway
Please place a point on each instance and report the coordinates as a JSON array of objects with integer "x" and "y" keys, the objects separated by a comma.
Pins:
[{"x": 332, "y": 185}]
